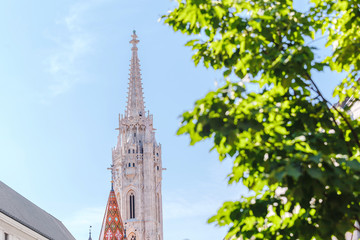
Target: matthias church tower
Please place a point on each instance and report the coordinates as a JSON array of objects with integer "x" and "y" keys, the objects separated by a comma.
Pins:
[{"x": 136, "y": 163}]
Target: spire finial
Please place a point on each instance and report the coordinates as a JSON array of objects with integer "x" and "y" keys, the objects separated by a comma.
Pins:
[
  {"x": 90, "y": 233},
  {"x": 111, "y": 168},
  {"x": 134, "y": 40}
]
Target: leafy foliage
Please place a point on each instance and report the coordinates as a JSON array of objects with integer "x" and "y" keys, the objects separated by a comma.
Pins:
[{"x": 296, "y": 152}]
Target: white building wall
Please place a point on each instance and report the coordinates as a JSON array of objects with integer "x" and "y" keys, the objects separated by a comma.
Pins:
[
  {"x": 355, "y": 110},
  {"x": 2, "y": 236},
  {"x": 16, "y": 231}
]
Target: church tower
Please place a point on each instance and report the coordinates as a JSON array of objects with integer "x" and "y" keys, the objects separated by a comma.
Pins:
[{"x": 137, "y": 166}]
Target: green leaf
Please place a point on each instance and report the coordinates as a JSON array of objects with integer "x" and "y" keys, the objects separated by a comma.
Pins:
[{"x": 316, "y": 174}]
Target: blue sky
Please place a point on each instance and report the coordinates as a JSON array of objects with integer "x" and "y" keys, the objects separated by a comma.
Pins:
[{"x": 64, "y": 72}]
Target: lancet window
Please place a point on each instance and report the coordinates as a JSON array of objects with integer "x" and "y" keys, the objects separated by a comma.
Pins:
[{"x": 132, "y": 205}]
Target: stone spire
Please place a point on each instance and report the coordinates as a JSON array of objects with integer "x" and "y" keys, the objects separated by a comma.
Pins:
[
  {"x": 135, "y": 102},
  {"x": 90, "y": 233},
  {"x": 112, "y": 227},
  {"x": 136, "y": 164}
]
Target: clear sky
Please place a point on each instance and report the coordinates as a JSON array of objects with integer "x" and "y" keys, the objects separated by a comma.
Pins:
[{"x": 64, "y": 72}]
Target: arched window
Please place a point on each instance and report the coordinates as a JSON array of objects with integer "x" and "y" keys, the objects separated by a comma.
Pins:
[
  {"x": 129, "y": 164},
  {"x": 157, "y": 168},
  {"x": 133, "y": 150},
  {"x": 132, "y": 205},
  {"x": 129, "y": 151},
  {"x": 133, "y": 164}
]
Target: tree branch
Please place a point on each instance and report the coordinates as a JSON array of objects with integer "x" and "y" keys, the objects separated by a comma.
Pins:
[
  {"x": 349, "y": 125},
  {"x": 340, "y": 113}
]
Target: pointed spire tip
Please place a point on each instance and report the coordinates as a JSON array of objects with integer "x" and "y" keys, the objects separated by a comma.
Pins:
[
  {"x": 135, "y": 100},
  {"x": 90, "y": 233}
]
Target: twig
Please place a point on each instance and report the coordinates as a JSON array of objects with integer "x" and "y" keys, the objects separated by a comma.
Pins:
[{"x": 317, "y": 39}]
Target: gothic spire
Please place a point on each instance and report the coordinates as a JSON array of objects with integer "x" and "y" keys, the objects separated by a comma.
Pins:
[
  {"x": 112, "y": 227},
  {"x": 90, "y": 233},
  {"x": 135, "y": 102}
]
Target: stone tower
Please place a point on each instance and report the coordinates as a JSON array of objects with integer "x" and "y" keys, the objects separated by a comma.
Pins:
[{"x": 137, "y": 166}]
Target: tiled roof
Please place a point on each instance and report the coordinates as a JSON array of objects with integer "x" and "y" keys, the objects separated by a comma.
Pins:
[
  {"x": 28, "y": 214},
  {"x": 112, "y": 227}
]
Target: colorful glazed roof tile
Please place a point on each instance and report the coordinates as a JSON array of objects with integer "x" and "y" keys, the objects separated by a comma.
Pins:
[{"x": 112, "y": 227}]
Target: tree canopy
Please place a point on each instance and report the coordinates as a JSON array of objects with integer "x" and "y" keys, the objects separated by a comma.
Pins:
[{"x": 298, "y": 154}]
